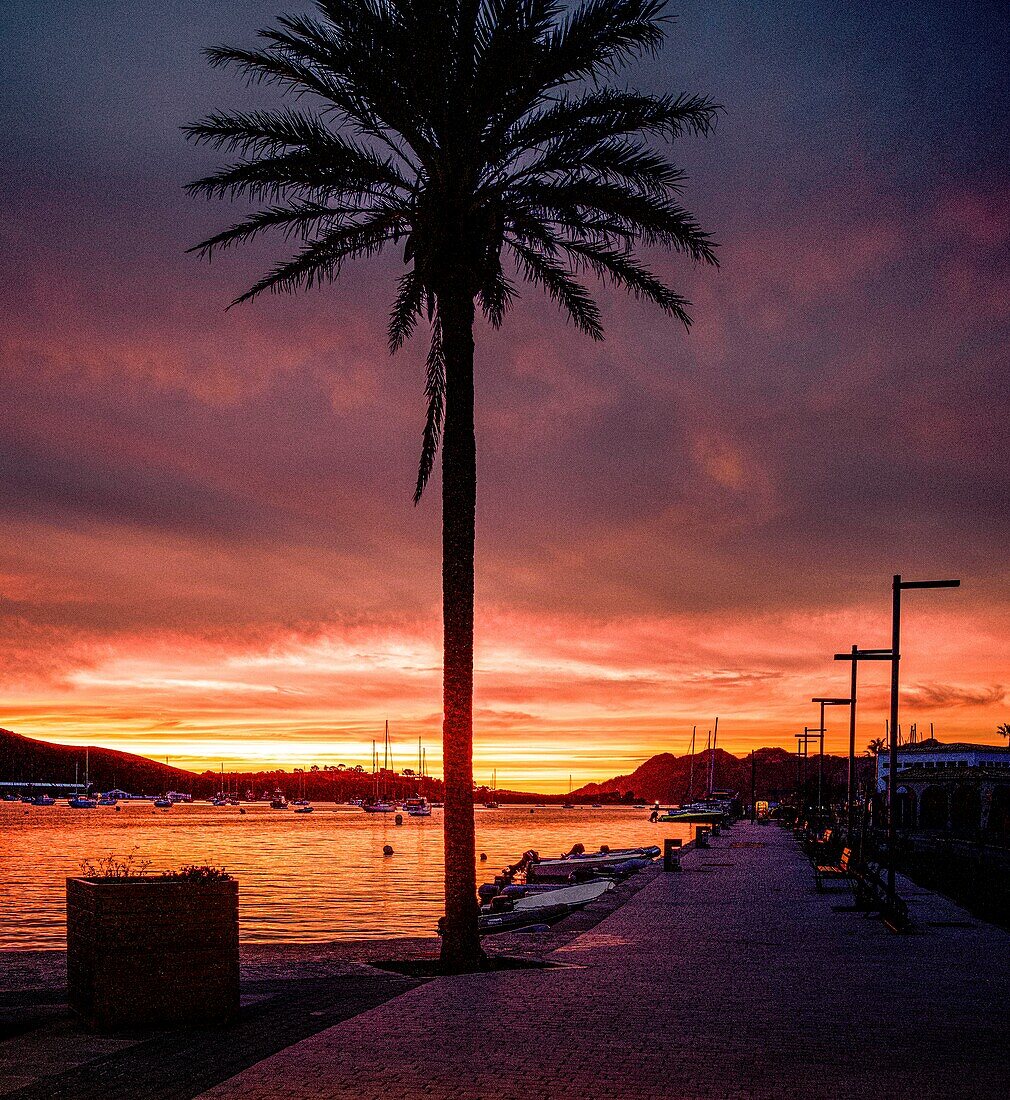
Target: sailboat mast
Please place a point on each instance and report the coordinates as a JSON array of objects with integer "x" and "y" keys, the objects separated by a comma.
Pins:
[
  {"x": 715, "y": 740},
  {"x": 709, "y": 760},
  {"x": 690, "y": 781}
]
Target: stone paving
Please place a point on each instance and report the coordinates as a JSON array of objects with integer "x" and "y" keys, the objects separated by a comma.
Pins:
[{"x": 732, "y": 979}]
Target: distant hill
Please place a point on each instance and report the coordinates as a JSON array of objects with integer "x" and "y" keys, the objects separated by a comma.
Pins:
[
  {"x": 27, "y": 760},
  {"x": 666, "y": 778},
  {"x": 24, "y": 759}
]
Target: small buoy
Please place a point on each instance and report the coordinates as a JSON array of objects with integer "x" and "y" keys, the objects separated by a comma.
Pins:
[
  {"x": 242, "y": 811},
  {"x": 532, "y": 811},
  {"x": 398, "y": 819},
  {"x": 387, "y": 849},
  {"x": 483, "y": 857},
  {"x": 118, "y": 808}
]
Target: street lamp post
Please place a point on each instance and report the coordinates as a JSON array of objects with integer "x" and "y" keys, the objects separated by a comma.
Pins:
[
  {"x": 828, "y": 701},
  {"x": 855, "y": 656},
  {"x": 803, "y": 742},
  {"x": 897, "y": 587}
]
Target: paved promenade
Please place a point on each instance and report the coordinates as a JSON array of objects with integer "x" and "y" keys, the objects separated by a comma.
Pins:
[{"x": 732, "y": 979}]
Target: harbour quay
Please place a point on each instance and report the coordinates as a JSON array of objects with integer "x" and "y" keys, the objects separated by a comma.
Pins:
[{"x": 734, "y": 978}]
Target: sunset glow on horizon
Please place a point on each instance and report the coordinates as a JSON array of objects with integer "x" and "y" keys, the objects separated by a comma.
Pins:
[{"x": 210, "y": 550}]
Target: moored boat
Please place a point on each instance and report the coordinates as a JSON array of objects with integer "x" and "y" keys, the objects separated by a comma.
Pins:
[
  {"x": 575, "y": 896},
  {"x": 619, "y": 863},
  {"x": 707, "y": 812}
]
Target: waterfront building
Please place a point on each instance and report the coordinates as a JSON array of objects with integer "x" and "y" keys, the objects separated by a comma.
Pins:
[{"x": 960, "y": 786}]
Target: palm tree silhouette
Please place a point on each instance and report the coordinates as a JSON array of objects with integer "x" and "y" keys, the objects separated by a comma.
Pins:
[{"x": 464, "y": 131}]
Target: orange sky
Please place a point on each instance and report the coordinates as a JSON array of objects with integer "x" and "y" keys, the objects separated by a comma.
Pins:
[
  {"x": 209, "y": 550},
  {"x": 554, "y": 697}
]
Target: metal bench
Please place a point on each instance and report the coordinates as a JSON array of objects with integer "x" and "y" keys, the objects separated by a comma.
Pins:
[{"x": 841, "y": 869}]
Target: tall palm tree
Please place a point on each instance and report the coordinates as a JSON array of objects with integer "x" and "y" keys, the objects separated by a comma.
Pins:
[{"x": 478, "y": 136}]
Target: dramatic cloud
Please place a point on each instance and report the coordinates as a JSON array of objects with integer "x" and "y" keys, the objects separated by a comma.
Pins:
[
  {"x": 210, "y": 548},
  {"x": 941, "y": 696}
]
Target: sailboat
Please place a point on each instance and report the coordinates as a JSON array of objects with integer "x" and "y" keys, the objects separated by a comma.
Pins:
[
  {"x": 220, "y": 799},
  {"x": 711, "y": 808},
  {"x": 568, "y": 804},
  {"x": 492, "y": 802},
  {"x": 301, "y": 800},
  {"x": 379, "y": 805},
  {"x": 83, "y": 801}
]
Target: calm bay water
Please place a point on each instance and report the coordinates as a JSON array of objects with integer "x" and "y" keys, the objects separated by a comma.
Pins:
[{"x": 303, "y": 878}]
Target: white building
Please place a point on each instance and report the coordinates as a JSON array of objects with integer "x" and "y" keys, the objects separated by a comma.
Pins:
[
  {"x": 958, "y": 787},
  {"x": 932, "y": 757}
]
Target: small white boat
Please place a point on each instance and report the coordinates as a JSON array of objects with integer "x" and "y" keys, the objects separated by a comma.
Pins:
[
  {"x": 303, "y": 809},
  {"x": 562, "y": 869},
  {"x": 80, "y": 802},
  {"x": 379, "y": 808},
  {"x": 163, "y": 803},
  {"x": 574, "y": 896}
]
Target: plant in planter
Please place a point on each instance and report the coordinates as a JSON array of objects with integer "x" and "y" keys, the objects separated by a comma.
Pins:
[{"x": 152, "y": 950}]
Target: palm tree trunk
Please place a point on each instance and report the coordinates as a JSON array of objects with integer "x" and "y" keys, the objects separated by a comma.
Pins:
[{"x": 461, "y": 950}]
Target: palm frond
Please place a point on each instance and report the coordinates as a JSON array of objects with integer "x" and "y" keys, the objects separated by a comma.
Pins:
[
  {"x": 406, "y": 309},
  {"x": 623, "y": 269},
  {"x": 320, "y": 260},
  {"x": 435, "y": 392},
  {"x": 600, "y": 36},
  {"x": 496, "y": 295},
  {"x": 559, "y": 283},
  {"x": 294, "y": 219},
  {"x": 650, "y": 218}
]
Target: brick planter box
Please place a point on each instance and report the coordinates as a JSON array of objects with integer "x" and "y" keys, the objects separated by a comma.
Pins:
[{"x": 145, "y": 952}]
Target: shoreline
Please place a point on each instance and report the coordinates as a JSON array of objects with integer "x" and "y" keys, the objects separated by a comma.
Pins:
[{"x": 27, "y": 969}]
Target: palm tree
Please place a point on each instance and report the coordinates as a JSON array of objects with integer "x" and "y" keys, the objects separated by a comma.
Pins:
[
  {"x": 876, "y": 746},
  {"x": 477, "y": 136}
]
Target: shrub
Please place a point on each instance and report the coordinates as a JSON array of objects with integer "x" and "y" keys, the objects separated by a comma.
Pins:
[{"x": 194, "y": 873}]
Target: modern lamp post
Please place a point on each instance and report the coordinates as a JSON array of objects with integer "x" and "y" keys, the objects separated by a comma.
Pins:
[
  {"x": 855, "y": 656},
  {"x": 802, "y": 752},
  {"x": 828, "y": 701},
  {"x": 898, "y": 586}
]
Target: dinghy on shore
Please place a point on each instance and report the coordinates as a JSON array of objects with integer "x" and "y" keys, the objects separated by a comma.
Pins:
[
  {"x": 585, "y": 866},
  {"x": 573, "y": 896}
]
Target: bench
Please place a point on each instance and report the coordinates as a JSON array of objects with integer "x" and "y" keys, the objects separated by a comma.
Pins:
[
  {"x": 869, "y": 889},
  {"x": 841, "y": 869}
]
